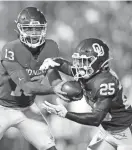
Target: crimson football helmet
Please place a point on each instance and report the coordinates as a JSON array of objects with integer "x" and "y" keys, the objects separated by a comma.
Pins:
[
  {"x": 92, "y": 55},
  {"x": 32, "y": 26}
]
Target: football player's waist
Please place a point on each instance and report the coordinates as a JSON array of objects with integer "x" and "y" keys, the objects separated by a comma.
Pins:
[
  {"x": 13, "y": 108},
  {"x": 118, "y": 122},
  {"x": 115, "y": 127},
  {"x": 16, "y": 103},
  {"x": 101, "y": 128},
  {"x": 22, "y": 98}
]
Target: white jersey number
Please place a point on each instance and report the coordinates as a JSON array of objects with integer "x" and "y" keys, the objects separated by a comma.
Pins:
[
  {"x": 9, "y": 54},
  {"x": 107, "y": 89}
]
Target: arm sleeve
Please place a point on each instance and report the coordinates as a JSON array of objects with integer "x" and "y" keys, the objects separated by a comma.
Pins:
[
  {"x": 65, "y": 66},
  {"x": 94, "y": 118},
  {"x": 53, "y": 77},
  {"x": 21, "y": 78}
]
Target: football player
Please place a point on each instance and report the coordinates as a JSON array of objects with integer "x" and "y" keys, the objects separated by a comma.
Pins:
[
  {"x": 20, "y": 62},
  {"x": 103, "y": 92}
]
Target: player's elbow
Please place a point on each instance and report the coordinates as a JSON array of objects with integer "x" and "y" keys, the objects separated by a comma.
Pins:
[
  {"x": 97, "y": 120},
  {"x": 93, "y": 122},
  {"x": 99, "y": 117},
  {"x": 97, "y": 123}
]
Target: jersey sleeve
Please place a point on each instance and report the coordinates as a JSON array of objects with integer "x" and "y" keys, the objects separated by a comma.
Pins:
[
  {"x": 107, "y": 88},
  {"x": 7, "y": 53},
  {"x": 16, "y": 72},
  {"x": 11, "y": 65}
]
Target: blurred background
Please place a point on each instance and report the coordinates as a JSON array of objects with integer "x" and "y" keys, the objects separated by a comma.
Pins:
[{"x": 69, "y": 23}]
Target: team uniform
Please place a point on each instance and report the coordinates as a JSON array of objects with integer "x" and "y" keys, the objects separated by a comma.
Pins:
[
  {"x": 115, "y": 126},
  {"x": 20, "y": 62},
  {"x": 107, "y": 85},
  {"x": 16, "y": 57},
  {"x": 103, "y": 92},
  {"x": 15, "y": 106}
]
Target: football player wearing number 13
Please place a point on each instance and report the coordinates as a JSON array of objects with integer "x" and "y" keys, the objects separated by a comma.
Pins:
[
  {"x": 103, "y": 92},
  {"x": 20, "y": 61}
]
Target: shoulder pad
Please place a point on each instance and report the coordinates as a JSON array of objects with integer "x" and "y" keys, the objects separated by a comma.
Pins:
[
  {"x": 51, "y": 48},
  {"x": 15, "y": 51}
]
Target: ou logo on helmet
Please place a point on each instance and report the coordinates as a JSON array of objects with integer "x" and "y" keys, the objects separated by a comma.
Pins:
[{"x": 98, "y": 49}]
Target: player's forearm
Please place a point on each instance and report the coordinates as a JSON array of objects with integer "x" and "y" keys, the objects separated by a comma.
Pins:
[
  {"x": 4, "y": 79},
  {"x": 53, "y": 77},
  {"x": 43, "y": 89},
  {"x": 37, "y": 88},
  {"x": 93, "y": 119},
  {"x": 65, "y": 66}
]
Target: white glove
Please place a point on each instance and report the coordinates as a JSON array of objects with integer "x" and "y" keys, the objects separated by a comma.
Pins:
[
  {"x": 59, "y": 110},
  {"x": 49, "y": 62}
]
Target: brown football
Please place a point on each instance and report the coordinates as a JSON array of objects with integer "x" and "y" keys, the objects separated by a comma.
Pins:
[{"x": 73, "y": 89}]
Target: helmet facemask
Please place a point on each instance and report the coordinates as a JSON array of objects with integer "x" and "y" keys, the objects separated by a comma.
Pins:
[
  {"x": 33, "y": 34},
  {"x": 82, "y": 66}
]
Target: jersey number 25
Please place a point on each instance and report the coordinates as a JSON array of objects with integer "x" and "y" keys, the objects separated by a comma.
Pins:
[{"x": 107, "y": 89}]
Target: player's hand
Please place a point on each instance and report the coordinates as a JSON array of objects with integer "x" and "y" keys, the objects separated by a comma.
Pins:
[
  {"x": 59, "y": 92},
  {"x": 59, "y": 110},
  {"x": 38, "y": 78},
  {"x": 49, "y": 62}
]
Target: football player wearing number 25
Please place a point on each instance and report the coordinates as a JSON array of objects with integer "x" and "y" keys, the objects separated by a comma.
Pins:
[
  {"x": 20, "y": 62},
  {"x": 103, "y": 92}
]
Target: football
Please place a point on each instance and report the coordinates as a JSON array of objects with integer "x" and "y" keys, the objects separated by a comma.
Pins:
[{"x": 73, "y": 89}]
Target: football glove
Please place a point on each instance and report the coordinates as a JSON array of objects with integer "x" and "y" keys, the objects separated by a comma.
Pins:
[
  {"x": 59, "y": 110},
  {"x": 49, "y": 62}
]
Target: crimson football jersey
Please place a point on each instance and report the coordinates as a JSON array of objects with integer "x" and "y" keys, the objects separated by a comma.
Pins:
[
  {"x": 99, "y": 88},
  {"x": 16, "y": 52},
  {"x": 106, "y": 85}
]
